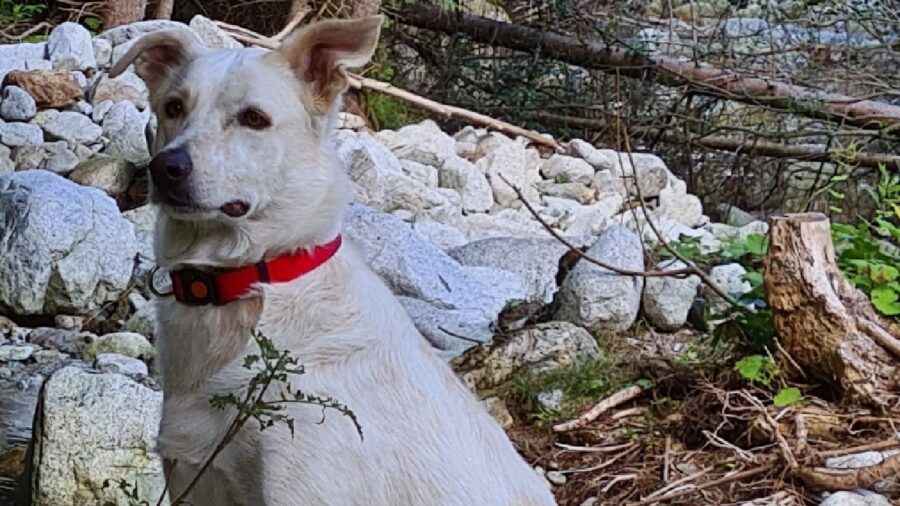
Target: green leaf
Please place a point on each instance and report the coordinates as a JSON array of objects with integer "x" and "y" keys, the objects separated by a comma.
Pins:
[
  {"x": 756, "y": 368},
  {"x": 787, "y": 396},
  {"x": 886, "y": 300}
]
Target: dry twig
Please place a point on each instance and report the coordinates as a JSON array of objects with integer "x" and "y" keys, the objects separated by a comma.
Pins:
[{"x": 616, "y": 399}]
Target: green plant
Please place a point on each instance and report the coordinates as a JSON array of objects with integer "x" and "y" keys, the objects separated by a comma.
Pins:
[
  {"x": 757, "y": 369},
  {"x": 582, "y": 383},
  {"x": 787, "y": 396},
  {"x": 867, "y": 252}
]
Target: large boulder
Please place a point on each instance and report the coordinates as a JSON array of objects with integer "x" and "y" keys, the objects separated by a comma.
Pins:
[
  {"x": 92, "y": 428},
  {"x": 599, "y": 299},
  {"x": 69, "y": 47},
  {"x": 667, "y": 300},
  {"x": 63, "y": 247},
  {"x": 413, "y": 267},
  {"x": 540, "y": 348},
  {"x": 534, "y": 260}
]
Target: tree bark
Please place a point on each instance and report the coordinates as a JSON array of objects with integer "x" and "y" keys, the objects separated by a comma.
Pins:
[
  {"x": 122, "y": 12},
  {"x": 667, "y": 71},
  {"x": 164, "y": 9},
  {"x": 805, "y": 152},
  {"x": 826, "y": 325}
]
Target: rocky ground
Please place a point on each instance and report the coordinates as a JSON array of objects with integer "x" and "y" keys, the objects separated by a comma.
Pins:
[{"x": 483, "y": 279}]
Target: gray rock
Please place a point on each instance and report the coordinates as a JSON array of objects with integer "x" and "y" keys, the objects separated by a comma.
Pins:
[
  {"x": 859, "y": 460},
  {"x": 129, "y": 344},
  {"x": 21, "y": 56},
  {"x": 452, "y": 331},
  {"x": 598, "y": 299},
  {"x": 683, "y": 208},
  {"x": 69, "y": 47},
  {"x": 102, "y": 52},
  {"x": 17, "y": 352},
  {"x": 211, "y": 35},
  {"x": 17, "y": 104},
  {"x": 81, "y": 107},
  {"x": 425, "y": 174},
  {"x": 593, "y": 218},
  {"x": 565, "y": 169},
  {"x": 126, "y": 86},
  {"x": 443, "y": 236},
  {"x": 96, "y": 427},
  {"x": 7, "y": 164},
  {"x": 506, "y": 223},
  {"x": 20, "y": 134},
  {"x": 112, "y": 175},
  {"x": 120, "y": 364},
  {"x": 19, "y": 390},
  {"x": 63, "y": 247},
  {"x": 518, "y": 166},
  {"x": 413, "y": 267},
  {"x": 572, "y": 191},
  {"x": 551, "y": 400},
  {"x": 729, "y": 278},
  {"x": 855, "y": 498},
  {"x": 534, "y": 260},
  {"x": 71, "y": 342},
  {"x": 461, "y": 175},
  {"x": 735, "y": 216},
  {"x": 124, "y": 126},
  {"x": 43, "y": 116},
  {"x": 144, "y": 220},
  {"x": 53, "y": 156},
  {"x": 72, "y": 127},
  {"x": 540, "y": 348},
  {"x": 142, "y": 321},
  {"x": 100, "y": 110},
  {"x": 667, "y": 300},
  {"x": 132, "y": 31}
]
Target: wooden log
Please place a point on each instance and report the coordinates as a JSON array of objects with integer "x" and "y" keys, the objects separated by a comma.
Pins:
[{"x": 829, "y": 327}]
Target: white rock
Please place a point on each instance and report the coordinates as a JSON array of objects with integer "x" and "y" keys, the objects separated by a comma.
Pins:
[
  {"x": 72, "y": 127},
  {"x": 93, "y": 428},
  {"x": 124, "y": 126},
  {"x": 534, "y": 260},
  {"x": 21, "y": 56},
  {"x": 592, "y": 219},
  {"x": 464, "y": 177},
  {"x": 100, "y": 110},
  {"x": 728, "y": 277},
  {"x": 17, "y": 104},
  {"x": 519, "y": 166},
  {"x": 69, "y": 47},
  {"x": 598, "y": 299},
  {"x": 667, "y": 300},
  {"x": 859, "y": 460},
  {"x": 441, "y": 235},
  {"x": 506, "y": 223},
  {"x": 63, "y": 247},
  {"x": 683, "y": 208},
  {"x": 81, "y": 107},
  {"x": 576, "y": 192},
  {"x": 20, "y": 134},
  {"x": 126, "y": 86},
  {"x": 413, "y": 267},
  {"x": 130, "y": 344},
  {"x": 120, "y": 364},
  {"x": 132, "y": 31},
  {"x": 551, "y": 400},
  {"x": 452, "y": 331},
  {"x": 211, "y": 35},
  {"x": 7, "y": 164},
  {"x": 856, "y": 498},
  {"x": 425, "y": 174},
  {"x": 102, "y": 52},
  {"x": 144, "y": 220},
  {"x": 567, "y": 169},
  {"x": 16, "y": 352}
]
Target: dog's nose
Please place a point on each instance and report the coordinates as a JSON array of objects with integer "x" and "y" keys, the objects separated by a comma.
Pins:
[{"x": 170, "y": 168}]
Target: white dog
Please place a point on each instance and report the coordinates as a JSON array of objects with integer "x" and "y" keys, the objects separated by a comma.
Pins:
[{"x": 250, "y": 191}]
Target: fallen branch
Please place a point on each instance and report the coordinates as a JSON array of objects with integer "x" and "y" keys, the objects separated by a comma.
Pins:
[
  {"x": 667, "y": 71},
  {"x": 359, "y": 82},
  {"x": 851, "y": 479},
  {"x": 728, "y": 478},
  {"x": 620, "y": 397},
  {"x": 753, "y": 147}
]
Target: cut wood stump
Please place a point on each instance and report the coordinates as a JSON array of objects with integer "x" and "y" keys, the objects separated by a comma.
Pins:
[{"x": 829, "y": 327}]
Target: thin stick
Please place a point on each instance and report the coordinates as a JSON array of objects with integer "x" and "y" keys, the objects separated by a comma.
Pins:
[
  {"x": 359, "y": 82},
  {"x": 714, "y": 483},
  {"x": 582, "y": 254},
  {"x": 294, "y": 23},
  {"x": 850, "y": 479},
  {"x": 881, "y": 445},
  {"x": 620, "y": 397}
]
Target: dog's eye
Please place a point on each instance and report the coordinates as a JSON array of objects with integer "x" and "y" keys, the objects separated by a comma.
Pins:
[
  {"x": 174, "y": 108},
  {"x": 253, "y": 118}
]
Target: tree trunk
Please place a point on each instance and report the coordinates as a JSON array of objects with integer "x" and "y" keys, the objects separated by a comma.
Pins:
[
  {"x": 702, "y": 79},
  {"x": 826, "y": 325},
  {"x": 164, "y": 9},
  {"x": 122, "y": 12}
]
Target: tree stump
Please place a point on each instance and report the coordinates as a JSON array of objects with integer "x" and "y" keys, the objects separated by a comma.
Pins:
[
  {"x": 829, "y": 327},
  {"x": 123, "y": 12}
]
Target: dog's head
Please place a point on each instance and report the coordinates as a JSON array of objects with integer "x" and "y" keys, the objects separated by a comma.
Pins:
[{"x": 242, "y": 147}]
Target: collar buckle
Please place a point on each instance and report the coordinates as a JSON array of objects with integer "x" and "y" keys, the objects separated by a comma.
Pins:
[{"x": 194, "y": 287}]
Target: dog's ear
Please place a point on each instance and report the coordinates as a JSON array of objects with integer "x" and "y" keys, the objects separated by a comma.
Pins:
[
  {"x": 319, "y": 53},
  {"x": 159, "y": 53}
]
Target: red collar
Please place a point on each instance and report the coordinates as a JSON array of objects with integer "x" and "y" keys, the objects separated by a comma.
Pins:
[{"x": 196, "y": 287}]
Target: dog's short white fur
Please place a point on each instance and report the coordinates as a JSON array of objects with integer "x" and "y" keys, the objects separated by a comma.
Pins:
[{"x": 427, "y": 440}]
